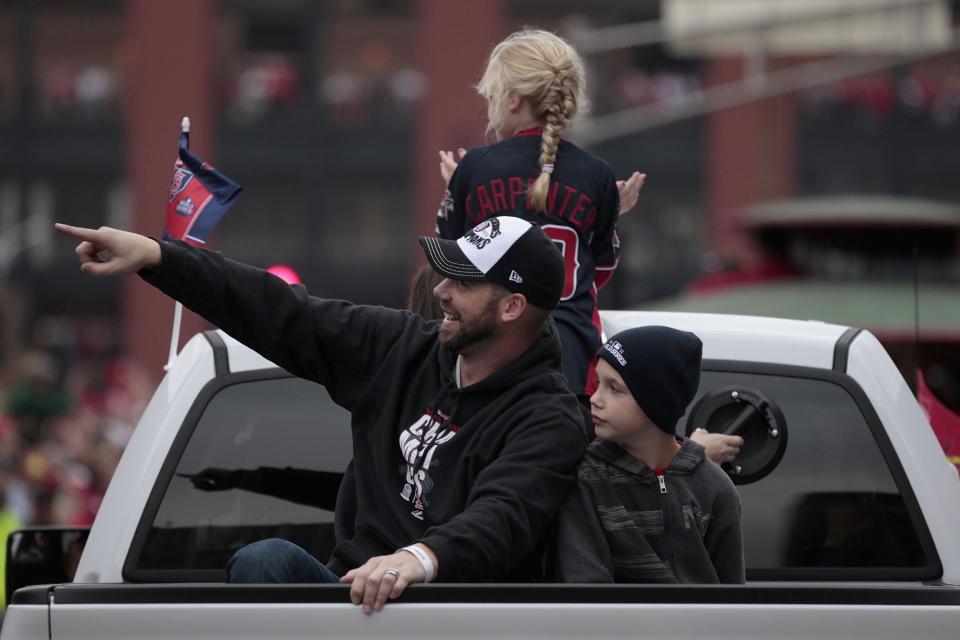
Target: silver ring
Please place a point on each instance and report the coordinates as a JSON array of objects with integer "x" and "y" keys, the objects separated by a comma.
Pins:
[{"x": 392, "y": 572}]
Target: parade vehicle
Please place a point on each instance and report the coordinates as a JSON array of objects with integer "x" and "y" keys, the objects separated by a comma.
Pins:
[{"x": 851, "y": 511}]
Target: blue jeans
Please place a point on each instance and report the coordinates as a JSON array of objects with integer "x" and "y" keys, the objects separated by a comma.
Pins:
[{"x": 276, "y": 561}]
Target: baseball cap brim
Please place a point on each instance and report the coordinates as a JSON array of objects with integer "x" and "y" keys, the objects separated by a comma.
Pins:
[{"x": 447, "y": 259}]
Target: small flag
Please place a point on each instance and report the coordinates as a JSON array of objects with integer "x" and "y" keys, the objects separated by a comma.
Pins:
[{"x": 199, "y": 195}]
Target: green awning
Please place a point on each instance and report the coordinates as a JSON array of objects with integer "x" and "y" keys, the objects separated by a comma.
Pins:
[{"x": 885, "y": 308}]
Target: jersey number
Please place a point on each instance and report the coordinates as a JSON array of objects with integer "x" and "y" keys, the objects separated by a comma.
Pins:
[{"x": 568, "y": 242}]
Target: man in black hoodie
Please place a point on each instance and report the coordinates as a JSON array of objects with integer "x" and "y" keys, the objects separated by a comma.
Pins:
[{"x": 465, "y": 435}]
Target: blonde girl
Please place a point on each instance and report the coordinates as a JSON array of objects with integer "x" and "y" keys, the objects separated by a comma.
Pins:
[{"x": 534, "y": 87}]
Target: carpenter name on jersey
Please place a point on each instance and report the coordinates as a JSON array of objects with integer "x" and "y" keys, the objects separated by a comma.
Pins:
[
  {"x": 505, "y": 196},
  {"x": 582, "y": 208}
]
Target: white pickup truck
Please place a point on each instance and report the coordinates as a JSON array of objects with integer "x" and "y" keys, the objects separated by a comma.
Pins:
[{"x": 851, "y": 511}]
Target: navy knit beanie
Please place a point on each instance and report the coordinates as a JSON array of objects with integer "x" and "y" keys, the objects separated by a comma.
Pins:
[{"x": 660, "y": 366}]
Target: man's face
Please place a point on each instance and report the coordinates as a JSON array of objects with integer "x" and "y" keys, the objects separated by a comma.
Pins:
[{"x": 469, "y": 313}]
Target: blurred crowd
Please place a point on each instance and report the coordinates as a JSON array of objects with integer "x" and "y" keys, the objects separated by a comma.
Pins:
[
  {"x": 927, "y": 92},
  {"x": 636, "y": 87},
  {"x": 380, "y": 86},
  {"x": 266, "y": 87},
  {"x": 68, "y": 406}
]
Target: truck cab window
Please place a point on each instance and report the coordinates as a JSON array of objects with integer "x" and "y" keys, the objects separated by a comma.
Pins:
[
  {"x": 832, "y": 501},
  {"x": 266, "y": 456},
  {"x": 265, "y": 459}
]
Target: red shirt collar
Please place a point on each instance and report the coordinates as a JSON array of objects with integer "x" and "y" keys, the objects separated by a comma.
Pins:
[
  {"x": 660, "y": 471},
  {"x": 535, "y": 131}
]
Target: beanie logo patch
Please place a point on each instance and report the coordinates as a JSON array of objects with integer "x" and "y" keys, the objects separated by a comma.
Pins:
[{"x": 616, "y": 350}]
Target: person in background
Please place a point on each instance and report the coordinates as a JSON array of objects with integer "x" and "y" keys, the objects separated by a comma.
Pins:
[
  {"x": 9, "y": 520},
  {"x": 420, "y": 298},
  {"x": 649, "y": 507}
]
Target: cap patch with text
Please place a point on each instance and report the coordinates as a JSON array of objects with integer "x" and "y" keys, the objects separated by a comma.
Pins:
[{"x": 508, "y": 251}]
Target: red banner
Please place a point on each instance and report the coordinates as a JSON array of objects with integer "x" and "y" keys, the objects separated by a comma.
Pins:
[{"x": 945, "y": 423}]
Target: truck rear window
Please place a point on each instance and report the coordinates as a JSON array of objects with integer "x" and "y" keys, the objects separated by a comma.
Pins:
[
  {"x": 834, "y": 506},
  {"x": 265, "y": 459}
]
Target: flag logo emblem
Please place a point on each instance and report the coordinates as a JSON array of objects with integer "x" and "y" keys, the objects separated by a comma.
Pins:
[
  {"x": 181, "y": 178},
  {"x": 199, "y": 196}
]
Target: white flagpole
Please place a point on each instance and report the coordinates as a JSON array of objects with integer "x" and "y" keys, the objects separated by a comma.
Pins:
[
  {"x": 178, "y": 307},
  {"x": 175, "y": 338}
]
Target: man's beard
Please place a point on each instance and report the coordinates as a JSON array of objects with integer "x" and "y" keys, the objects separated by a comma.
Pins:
[{"x": 471, "y": 332}]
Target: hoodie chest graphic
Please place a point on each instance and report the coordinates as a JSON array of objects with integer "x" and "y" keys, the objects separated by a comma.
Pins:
[{"x": 418, "y": 444}]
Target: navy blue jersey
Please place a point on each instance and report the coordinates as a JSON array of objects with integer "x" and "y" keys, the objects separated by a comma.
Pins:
[{"x": 582, "y": 211}]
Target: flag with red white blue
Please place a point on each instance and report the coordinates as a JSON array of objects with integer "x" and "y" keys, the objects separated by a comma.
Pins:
[{"x": 199, "y": 196}]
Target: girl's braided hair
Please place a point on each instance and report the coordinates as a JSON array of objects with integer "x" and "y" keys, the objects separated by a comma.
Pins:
[{"x": 546, "y": 71}]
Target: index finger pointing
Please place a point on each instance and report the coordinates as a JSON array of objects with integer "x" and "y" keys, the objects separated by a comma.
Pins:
[{"x": 80, "y": 233}]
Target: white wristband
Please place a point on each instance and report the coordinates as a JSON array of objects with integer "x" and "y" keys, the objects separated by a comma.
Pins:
[{"x": 424, "y": 559}]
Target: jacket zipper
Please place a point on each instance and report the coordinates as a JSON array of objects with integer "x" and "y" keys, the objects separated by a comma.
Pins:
[{"x": 665, "y": 506}]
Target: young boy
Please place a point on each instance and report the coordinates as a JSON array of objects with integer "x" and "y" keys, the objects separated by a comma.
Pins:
[{"x": 648, "y": 506}]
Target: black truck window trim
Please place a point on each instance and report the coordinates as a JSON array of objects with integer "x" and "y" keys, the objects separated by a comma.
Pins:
[
  {"x": 775, "y": 595},
  {"x": 221, "y": 358},
  {"x": 841, "y": 350},
  {"x": 130, "y": 572},
  {"x": 934, "y": 569}
]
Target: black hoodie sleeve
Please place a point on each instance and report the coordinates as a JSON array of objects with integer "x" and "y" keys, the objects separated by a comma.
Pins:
[
  {"x": 513, "y": 502},
  {"x": 333, "y": 342}
]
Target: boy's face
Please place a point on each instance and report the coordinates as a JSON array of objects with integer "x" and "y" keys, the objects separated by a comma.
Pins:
[{"x": 616, "y": 415}]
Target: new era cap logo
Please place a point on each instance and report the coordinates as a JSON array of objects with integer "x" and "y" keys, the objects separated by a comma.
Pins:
[{"x": 515, "y": 277}]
